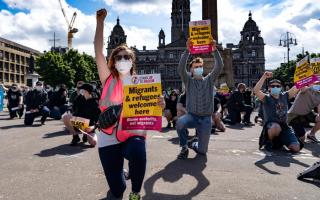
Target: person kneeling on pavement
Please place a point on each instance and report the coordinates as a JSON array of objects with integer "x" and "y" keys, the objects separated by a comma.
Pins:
[
  {"x": 276, "y": 132},
  {"x": 35, "y": 101},
  {"x": 84, "y": 106},
  {"x": 58, "y": 103},
  {"x": 301, "y": 112},
  {"x": 15, "y": 102},
  {"x": 170, "y": 111},
  {"x": 199, "y": 95}
]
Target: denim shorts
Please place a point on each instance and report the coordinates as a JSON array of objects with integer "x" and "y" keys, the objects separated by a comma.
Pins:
[{"x": 286, "y": 137}]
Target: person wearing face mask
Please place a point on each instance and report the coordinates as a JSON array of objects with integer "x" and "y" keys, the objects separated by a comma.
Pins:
[
  {"x": 36, "y": 101},
  {"x": 276, "y": 132},
  {"x": 85, "y": 107},
  {"x": 237, "y": 104},
  {"x": 114, "y": 143},
  {"x": 200, "y": 102},
  {"x": 96, "y": 92},
  {"x": 15, "y": 102},
  {"x": 302, "y": 112},
  {"x": 76, "y": 93}
]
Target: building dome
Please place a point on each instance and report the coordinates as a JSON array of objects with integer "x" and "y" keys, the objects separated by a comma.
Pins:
[
  {"x": 117, "y": 29},
  {"x": 250, "y": 25}
]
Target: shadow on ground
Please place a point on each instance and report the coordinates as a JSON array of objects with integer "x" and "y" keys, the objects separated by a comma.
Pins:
[
  {"x": 55, "y": 134},
  {"x": 173, "y": 172},
  {"x": 65, "y": 150},
  {"x": 314, "y": 148},
  {"x": 279, "y": 158},
  {"x": 19, "y": 126},
  {"x": 313, "y": 182}
]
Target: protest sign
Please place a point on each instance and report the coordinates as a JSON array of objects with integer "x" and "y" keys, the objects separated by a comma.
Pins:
[
  {"x": 304, "y": 75},
  {"x": 315, "y": 65},
  {"x": 200, "y": 36},
  {"x": 140, "y": 105},
  {"x": 80, "y": 123},
  {"x": 224, "y": 89}
]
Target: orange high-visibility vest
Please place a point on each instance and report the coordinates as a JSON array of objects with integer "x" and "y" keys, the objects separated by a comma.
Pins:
[{"x": 112, "y": 94}]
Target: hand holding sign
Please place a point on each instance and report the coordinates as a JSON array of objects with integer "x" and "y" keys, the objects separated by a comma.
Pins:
[{"x": 214, "y": 44}]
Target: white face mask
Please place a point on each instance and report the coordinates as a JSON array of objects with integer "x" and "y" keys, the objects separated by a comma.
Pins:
[
  {"x": 124, "y": 66},
  {"x": 39, "y": 88},
  {"x": 81, "y": 92}
]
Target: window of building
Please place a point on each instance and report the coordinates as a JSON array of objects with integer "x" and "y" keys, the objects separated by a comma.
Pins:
[
  {"x": 12, "y": 77},
  {"x": 18, "y": 78},
  {"x": 6, "y": 67},
  {"x": 253, "y": 53},
  {"x": 18, "y": 59},
  {"x": 1, "y": 66},
  {"x": 6, "y": 77},
  {"x": 1, "y": 55},
  {"x": 23, "y": 60},
  {"x": 11, "y": 67},
  {"x": 171, "y": 56},
  {"x": 12, "y": 57},
  {"x": 22, "y": 80},
  {"x": 22, "y": 69},
  {"x": 142, "y": 71},
  {"x": 18, "y": 69},
  {"x": 6, "y": 56}
]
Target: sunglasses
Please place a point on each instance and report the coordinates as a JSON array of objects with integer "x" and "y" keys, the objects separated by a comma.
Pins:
[
  {"x": 119, "y": 57},
  {"x": 275, "y": 86}
]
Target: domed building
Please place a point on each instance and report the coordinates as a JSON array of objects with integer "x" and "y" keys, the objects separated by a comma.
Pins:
[
  {"x": 117, "y": 37},
  {"x": 248, "y": 55}
]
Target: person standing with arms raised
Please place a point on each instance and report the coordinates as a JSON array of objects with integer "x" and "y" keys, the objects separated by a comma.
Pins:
[{"x": 114, "y": 143}]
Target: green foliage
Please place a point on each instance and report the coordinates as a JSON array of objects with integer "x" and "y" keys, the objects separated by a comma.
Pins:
[
  {"x": 67, "y": 69},
  {"x": 285, "y": 72}
]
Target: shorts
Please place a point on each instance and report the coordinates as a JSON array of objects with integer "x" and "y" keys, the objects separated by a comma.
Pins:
[{"x": 286, "y": 137}]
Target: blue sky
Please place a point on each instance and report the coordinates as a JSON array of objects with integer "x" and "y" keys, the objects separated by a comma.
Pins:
[{"x": 142, "y": 20}]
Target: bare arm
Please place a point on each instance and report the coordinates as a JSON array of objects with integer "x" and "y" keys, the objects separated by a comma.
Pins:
[
  {"x": 103, "y": 69},
  {"x": 257, "y": 88},
  {"x": 292, "y": 92}
]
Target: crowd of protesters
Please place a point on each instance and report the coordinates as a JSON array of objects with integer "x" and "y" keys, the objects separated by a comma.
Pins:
[{"x": 283, "y": 113}]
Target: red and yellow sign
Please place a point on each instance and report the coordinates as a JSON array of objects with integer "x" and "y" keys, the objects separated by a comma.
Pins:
[
  {"x": 304, "y": 75},
  {"x": 200, "y": 35},
  {"x": 80, "y": 123},
  {"x": 140, "y": 105}
]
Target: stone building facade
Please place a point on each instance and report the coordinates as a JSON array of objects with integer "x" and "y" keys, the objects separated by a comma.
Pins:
[
  {"x": 248, "y": 55},
  {"x": 15, "y": 62}
]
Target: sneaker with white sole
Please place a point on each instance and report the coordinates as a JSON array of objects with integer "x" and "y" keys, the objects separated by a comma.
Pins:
[{"x": 310, "y": 172}]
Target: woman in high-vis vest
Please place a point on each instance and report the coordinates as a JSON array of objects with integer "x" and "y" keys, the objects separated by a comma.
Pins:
[{"x": 114, "y": 143}]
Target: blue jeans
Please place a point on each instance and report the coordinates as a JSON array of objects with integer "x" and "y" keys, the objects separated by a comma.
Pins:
[
  {"x": 57, "y": 113},
  {"x": 202, "y": 124},
  {"x": 112, "y": 158},
  {"x": 29, "y": 117}
]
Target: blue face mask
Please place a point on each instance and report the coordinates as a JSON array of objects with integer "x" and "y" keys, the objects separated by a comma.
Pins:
[
  {"x": 316, "y": 87},
  {"x": 275, "y": 91},
  {"x": 198, "y": 71}
]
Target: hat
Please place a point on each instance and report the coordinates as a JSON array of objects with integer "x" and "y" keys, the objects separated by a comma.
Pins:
[
  {"x": 87, "y": 87},
  {"x": 39, "y": 83}
]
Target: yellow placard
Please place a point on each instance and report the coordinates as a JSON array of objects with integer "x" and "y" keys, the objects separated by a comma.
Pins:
[
  {"x": 303, "y": 70},
  {"x": 200, "y": 36},
  {"x": 142, "y": 100},
  {"x": 315, "y": 65},
  {"x": 80, "y": 123}
]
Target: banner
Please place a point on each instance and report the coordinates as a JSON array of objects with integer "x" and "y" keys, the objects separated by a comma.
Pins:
[
  {"x": 304, "y": 75},
  {"x": 315, "y": 65},
  {"x": 80, "y": 123},
  {"x": 140, "y": 104},
  {"x": 200, "y": 35}
]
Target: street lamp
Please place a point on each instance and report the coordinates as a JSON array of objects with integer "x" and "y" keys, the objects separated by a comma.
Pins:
[{"x": 286, "y": 40}]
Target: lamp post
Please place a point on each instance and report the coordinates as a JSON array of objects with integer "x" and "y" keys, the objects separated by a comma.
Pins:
[{"x": 286, "y": 40}]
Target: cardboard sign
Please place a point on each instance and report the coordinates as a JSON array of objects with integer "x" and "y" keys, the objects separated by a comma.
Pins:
[
  {"x": 224, "y": 89},
  {"x": 304, "y": 75},
  {"x": 80, "y": 123},
  {"x": 200, "y": 35},
  {"x": 315, "y": 65},
  {"x": 140, "y": 104}
]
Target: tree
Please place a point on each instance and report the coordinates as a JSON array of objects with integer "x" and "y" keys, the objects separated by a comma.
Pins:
[
  {"x": 54, "y": 71},
  {"x": 68, "y": 68}
]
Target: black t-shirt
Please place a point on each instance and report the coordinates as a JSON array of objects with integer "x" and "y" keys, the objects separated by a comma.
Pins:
[
  {"x": 87, "y": 108},
  {"x": 14, "y": 98},
  {"x": 172, "y": 105}
]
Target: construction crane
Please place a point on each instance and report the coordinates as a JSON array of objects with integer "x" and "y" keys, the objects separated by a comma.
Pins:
[{"x": 71, "y": 29}]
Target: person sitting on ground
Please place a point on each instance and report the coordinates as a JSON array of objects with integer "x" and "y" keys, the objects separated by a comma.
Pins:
[
  {"x": 57, "y": 103},
  {"x": 86, "y": 107},
  {"x": 36, "y": 101},
  {"x": 236, "y": 104},
  {"x": 301, "y": 112},
  {"x": 15, "y": 102},
  {"x": 217, "y": 117},
  {"x": 170, "y": 111},
  {"x": 276, "y": 132},
  {"x": 199, "y": 94}
]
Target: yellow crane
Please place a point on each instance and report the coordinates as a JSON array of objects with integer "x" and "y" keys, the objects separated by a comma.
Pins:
[{"x": 71, "y": 29}]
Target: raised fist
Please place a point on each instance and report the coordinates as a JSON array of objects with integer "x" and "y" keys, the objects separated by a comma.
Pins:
[
  {"x": 268, "y": 74},
  {"x": 101, "y": 14}
]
